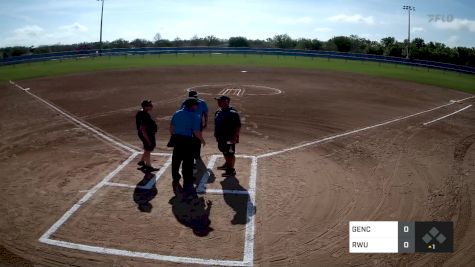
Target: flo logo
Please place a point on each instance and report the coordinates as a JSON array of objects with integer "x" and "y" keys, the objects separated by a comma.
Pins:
[{"x": 440, "y": 17}]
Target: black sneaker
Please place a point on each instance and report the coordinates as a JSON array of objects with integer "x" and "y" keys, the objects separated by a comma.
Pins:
[
  {"x": 146, "y": 168},
  {"x": 229, "y": 173},
  {"x": 141, "y": 163},
  {"x": 223, "y": 167}
]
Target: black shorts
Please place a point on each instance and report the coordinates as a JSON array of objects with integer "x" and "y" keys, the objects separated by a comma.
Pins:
[
  {"x": 146, "y": 145},
  {"x": 227, "y": 149}
]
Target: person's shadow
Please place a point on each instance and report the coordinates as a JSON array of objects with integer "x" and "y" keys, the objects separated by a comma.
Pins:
[
  {"x": 243, "y": 208},
  {"x": 200, "y": 170},
  {"x": 191, "y": 211},
  {"x": 142, "y": 195}
]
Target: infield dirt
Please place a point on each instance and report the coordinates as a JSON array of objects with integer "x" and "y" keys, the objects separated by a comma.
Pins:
[{"x": 305, "y": 198}]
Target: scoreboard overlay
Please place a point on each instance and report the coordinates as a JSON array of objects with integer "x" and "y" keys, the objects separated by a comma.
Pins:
[{"x": 400, "y": 237}]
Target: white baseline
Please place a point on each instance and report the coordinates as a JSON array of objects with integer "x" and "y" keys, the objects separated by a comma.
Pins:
[
  {"x": 359, "y": 130},
  {"x": 77, "y": 121},
  {"x": 448, "y": 115}
]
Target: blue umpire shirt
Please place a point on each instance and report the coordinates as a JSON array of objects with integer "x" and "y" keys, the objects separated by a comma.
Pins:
[
  {"x": 185, "y": 122},
  {"x": 202, "y": 107}
]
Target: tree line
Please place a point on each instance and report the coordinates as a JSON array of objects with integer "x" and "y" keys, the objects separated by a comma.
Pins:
[{"x": 388, "y": 46}]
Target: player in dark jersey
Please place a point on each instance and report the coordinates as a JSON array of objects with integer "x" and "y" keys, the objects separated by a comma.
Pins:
[
  {"x": 146, "y": 129},
  {"x": 227, "y": 127}
]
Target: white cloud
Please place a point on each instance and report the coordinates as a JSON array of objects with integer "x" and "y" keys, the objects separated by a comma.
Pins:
[
  {"x": 28, "y": 31},
  {"x": 452, "y": 41},
  {"x": 294, "y": 21},
  {"x": 323, "y": 29},
  {"x": 357, "y": 18},
  {"x": 417, "y": 29},
  {"x": 457, "y": 25},
  {"x": 75, "y": 27}
]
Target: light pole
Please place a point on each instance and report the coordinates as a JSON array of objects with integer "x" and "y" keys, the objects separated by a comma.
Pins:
[
  {"x": 409, "y": 9},
  {"x": 100, "y": 38}
]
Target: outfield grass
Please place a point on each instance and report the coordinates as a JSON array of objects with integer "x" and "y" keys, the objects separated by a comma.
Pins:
[{"x": 452, "y": 80}]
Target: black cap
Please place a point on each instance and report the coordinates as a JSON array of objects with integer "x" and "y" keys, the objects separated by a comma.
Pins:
[
  {"x": 222, "y": 97},
  {"x": 190, "y": 101},
  {"x": 192, "y": 93},
  {"x": 146, "y": 103}
]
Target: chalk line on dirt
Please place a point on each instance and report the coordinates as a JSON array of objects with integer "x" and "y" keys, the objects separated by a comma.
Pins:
[
  {"x": 77, "y": 121},
  {"x": 446, "y": 116}
]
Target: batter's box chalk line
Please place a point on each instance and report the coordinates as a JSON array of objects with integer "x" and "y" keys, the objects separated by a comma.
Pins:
[{"x": 248, "y": 252}]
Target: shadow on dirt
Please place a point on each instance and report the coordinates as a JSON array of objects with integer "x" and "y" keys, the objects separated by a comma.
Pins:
[
  {"x": 143, "y": 195},
  {"x": 191, "y": 211},
  {"x": 200, "y": 170},
  {"x": 243, "y": 208}
]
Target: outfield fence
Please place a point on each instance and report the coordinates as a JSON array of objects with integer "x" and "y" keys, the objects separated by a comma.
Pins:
[{"x": 235, "y": 50}]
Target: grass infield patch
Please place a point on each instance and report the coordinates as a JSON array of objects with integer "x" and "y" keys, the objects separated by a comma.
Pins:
[{"x": 447, "y": 79}]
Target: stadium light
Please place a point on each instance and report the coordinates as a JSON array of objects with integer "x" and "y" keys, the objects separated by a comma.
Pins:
[
  {"x": 100, "y": 37},
  {"x": 409, "y": 9}
]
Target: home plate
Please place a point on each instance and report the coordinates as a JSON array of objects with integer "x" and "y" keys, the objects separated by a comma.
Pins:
[{"x": 243, "y": 70}]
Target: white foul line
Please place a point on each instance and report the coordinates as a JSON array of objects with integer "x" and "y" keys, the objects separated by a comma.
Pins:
[
  {"x": 448, "y": 115},
  {"x": 77, "y": 121},
  {"x": 85, "y": 198},
  {"x": 357, "y": 130}
]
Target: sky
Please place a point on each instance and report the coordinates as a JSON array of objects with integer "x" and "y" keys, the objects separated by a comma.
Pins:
[{"x": 46, "y": 22}]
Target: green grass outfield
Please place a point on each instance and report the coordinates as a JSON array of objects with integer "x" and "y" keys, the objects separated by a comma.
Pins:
[{"x": 447, "y": 79}]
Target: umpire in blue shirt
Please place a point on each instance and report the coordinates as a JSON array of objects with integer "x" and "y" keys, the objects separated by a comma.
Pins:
[
  {"x": 184, "y": 125},
  {"x": 202, "y": 112}
]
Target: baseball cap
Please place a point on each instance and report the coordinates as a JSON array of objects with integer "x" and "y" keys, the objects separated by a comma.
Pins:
[
  {"x": 222, "y": 97},
  {"x": 192, "y": 93},
  {"x": 146, "y": 103},
  {"x": 190, "y": 101}
]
